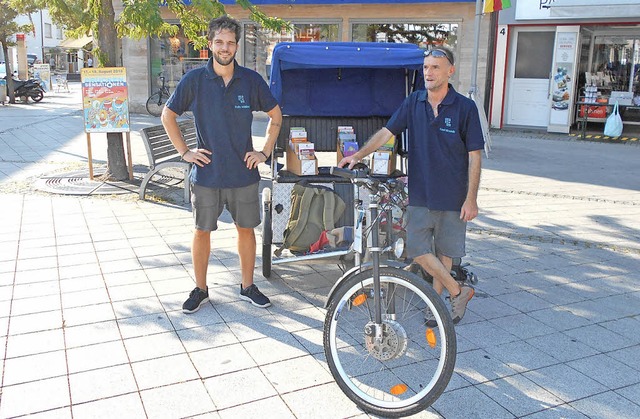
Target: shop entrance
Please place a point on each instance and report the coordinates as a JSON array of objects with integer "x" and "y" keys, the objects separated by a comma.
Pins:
[{"x": 529, "y": 76}]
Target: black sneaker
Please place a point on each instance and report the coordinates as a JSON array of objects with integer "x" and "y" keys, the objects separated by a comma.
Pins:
[
  {"x": 253, "y": 295},
  {"x": 197, "y": 298}
]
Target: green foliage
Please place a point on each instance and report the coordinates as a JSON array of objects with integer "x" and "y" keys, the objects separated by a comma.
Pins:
[
  {"x": 139, "y": 19},
  {"x": 9, "y": 10},
  {"x": 74, "y": 15},
  {"x": 7, "y": 25},
  {"x": 272, "y": 23},
  {"x": 142, "y": 18}
]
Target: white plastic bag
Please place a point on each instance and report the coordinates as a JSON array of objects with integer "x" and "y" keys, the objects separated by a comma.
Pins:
[{"x": 613, "y": 126}]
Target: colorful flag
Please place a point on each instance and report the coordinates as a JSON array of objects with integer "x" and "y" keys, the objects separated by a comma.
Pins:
[{"x": 495, "y": 5}]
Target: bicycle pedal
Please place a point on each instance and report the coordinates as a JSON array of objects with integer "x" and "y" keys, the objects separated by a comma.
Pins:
[{"x": 473, "y": 278}]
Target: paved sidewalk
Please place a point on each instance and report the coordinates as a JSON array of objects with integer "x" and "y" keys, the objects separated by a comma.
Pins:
[{"x": 91, "y": 289}]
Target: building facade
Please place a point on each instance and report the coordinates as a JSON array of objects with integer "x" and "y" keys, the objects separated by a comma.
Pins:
[
  {"x": 46, "y": 44},
  {"x": 551, "y": 54},
  {"x": 427, "y": 23}
]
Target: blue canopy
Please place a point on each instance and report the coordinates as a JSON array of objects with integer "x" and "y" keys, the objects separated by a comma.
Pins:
[{"x": 351, "y": 79}]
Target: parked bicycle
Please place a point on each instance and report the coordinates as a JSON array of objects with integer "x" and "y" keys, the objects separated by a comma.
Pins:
[
  {"x": 379, "y": 349},
  {"x": 156, "y": 101}
]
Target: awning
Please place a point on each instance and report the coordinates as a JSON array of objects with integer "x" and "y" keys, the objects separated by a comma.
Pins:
[
  {"x": 585, "y": 9},
  {"x": 76, "y": 43}
]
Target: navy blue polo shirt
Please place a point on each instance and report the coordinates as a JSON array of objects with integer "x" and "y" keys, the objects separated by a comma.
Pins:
[
  {"x": 223, "y": 117},
  {"x": 438, "y": 148}
]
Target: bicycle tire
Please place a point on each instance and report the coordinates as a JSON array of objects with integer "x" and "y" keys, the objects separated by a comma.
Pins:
[
  {"x": 155, "y": 103},
  {"x": 416, "y": 367}
]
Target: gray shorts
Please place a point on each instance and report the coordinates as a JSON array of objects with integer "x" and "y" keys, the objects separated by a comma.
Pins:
[
  {"x": 425, "y": 228},
  {"x": 208, "y": 203}
]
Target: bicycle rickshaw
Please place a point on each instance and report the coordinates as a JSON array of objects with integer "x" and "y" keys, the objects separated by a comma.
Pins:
[
  {"x": 322, "y": 86},
  {"x": 381, "y": 352}
]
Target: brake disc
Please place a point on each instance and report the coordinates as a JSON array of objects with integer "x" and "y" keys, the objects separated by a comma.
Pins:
[{"x": 392, "y": 344}]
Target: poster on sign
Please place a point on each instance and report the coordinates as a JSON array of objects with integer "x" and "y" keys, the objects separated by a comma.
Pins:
[
  {"x": 105, "y": 99},
  {"x": 42, "y": 72}
]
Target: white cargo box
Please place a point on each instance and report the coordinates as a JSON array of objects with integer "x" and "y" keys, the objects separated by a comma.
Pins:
[{"x": 623, "y": 98}]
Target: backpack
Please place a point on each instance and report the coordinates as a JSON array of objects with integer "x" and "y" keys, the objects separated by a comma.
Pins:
[{"x": 314, "y": 209}]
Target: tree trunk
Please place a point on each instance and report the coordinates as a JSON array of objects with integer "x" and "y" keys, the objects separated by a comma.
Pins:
[
  {"x": 107, "y": 46},
  {"x": 116, "y": 163},
  {"x": 9, "y": 72}
]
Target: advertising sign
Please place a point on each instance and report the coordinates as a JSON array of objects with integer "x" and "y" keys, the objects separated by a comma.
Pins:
[
  {"x": 105, "y": 99},
  {"x": 533, "y": 9},
  {"x": 563, "y": 79},
  {"x": 42, "y": 72}
]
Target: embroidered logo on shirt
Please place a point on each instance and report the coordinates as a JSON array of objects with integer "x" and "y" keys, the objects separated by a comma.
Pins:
[
  {"x": 448, "y": 129},
  {"x": 242, "y": 102}
]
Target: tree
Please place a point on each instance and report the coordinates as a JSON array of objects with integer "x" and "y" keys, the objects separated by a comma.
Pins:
[
  {"x": 138, "y": 19},
  {"x": 9, "y": 11}
]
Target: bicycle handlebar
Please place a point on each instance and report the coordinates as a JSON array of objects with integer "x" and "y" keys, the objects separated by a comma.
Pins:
[
  {"x": 362, "y": 177},
  {"x": 348, "y": 173}
]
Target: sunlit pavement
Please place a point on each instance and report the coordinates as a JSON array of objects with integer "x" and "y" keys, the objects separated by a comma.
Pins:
[{"x": 91, "y": 287}]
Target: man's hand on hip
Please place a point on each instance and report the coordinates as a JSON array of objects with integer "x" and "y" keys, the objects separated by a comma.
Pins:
[{"x": 199, "y": 156}]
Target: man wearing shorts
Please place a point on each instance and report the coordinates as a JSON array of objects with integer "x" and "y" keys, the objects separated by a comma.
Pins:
[
  {"x": 445, "y": 153},
  {"x": 222, "y": 96}
]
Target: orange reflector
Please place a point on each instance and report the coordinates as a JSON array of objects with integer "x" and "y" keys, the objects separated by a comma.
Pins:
[
  {"x": 431, "y": 338},
  {"x": 398, "y": 389},
  {"x": 359, "y": 299}
]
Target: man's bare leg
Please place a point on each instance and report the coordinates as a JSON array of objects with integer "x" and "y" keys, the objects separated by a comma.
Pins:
[
  {"x": 247, "y": 254},
  {"x": 200, "y": 250},
  {"x": 440, "y": 270}
]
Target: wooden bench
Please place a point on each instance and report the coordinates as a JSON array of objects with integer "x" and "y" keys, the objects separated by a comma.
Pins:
[{"x": 162, "y": 154}]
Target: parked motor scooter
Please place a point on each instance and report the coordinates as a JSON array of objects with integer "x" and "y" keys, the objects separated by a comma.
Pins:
[{"x": 28, "y": 89}]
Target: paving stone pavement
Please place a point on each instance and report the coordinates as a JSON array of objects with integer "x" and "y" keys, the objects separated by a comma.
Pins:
[{"x": 91, "y": 288}]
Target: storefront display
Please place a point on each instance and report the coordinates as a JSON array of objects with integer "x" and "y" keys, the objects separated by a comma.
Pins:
[{"x": 595, "y": 61}]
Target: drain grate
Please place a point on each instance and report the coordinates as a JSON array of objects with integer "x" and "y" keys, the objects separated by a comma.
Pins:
[
  {"x": 78, "y": 183},
  {"x": 67, "y": 185}
]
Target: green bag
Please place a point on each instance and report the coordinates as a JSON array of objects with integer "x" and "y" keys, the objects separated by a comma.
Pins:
[{"x": 314, "y": 209}]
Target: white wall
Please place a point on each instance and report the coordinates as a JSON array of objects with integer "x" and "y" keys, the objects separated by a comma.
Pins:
[{"x": 36, "y": 42}]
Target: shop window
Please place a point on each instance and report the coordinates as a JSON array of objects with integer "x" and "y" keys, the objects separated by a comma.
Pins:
[
  {"x": 259, "y": 43},
  {"x": 424, "y": 35},
  {"x": 615, "y": 63},
  {"x": 534, "y": 55},
  {"x": 172, "y": 57},
  {"x": 614, "y": 70}
]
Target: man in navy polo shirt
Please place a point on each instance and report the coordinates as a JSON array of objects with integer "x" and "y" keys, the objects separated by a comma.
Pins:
[
  {"x": 222, "y": 96},
  {"x": 445, "y": 153}
]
